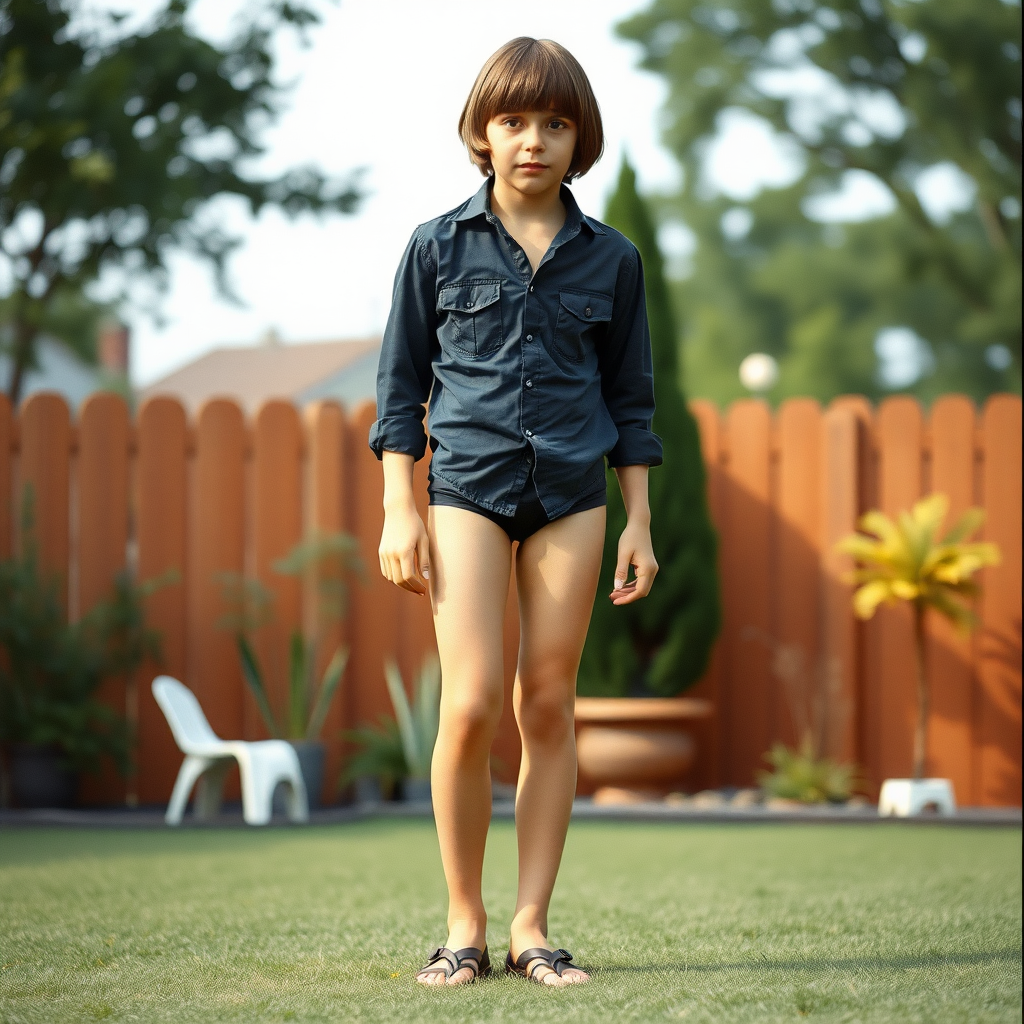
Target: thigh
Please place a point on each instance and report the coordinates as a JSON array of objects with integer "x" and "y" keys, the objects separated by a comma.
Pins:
[
  {"x": 470, "y": 566},
  {"x": 556, "y": 573}
]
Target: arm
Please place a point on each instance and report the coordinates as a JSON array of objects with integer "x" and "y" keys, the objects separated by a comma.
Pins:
[
  {"x": 403, "y": 543},
  {"x": 627, "y": 385},
  {"x": 397, "y": 437},
  {"x": 635, "y": 548}
]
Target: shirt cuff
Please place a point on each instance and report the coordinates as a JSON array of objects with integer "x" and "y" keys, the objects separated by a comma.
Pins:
[
  {"x": 636, "y": 446},
  {"x": 405, "y": 436}
]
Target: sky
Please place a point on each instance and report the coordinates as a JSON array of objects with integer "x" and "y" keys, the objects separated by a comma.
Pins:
[{"x": 381, "y": 87}]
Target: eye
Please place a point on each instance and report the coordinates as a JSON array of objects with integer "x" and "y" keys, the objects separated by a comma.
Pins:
[
  {"x": 510, "y": 122},
  {"x": 558, "y": 124}
]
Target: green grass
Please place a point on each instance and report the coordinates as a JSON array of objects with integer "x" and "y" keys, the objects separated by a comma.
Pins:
[{"x": 690, "y": 922}]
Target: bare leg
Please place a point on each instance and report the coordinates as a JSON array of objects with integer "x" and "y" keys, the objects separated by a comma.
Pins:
[
  {"x": 556, "y": 572},
  {"x": 470, "y": 565}
]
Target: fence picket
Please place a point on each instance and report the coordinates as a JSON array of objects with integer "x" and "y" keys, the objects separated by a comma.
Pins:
[
  {"x": 102, "y": 531},
  {"x": 6, "y": 478},
  {"x": 746, "y": 574},
  {"x": 160, "y": 525},
  {"x": 276, "y": 528},
  {"x": 949, "y": 653},
  {"x": 999, "y": 719}
]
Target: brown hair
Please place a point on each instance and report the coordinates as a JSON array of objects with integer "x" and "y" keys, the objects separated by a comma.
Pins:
[{"x": 533, "y": 74}]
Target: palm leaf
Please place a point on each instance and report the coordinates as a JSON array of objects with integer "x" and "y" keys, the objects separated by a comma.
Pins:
[
  {"x": 254, "y": 677},
  {"x": 298, "y": 680},
  {"x": 403, "y": 715},
  {"x": 328, "y": 685},
  {"x": 970, "y": 521}
]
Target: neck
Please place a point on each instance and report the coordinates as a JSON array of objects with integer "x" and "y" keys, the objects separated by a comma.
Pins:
[{"x": 508, "y": 201}]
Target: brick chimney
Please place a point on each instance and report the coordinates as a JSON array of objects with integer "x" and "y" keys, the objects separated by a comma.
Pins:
[{"x": 112, "y": 347}]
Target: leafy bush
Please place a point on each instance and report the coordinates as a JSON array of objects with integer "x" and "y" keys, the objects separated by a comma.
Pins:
[
  {"x": 801, "y": 775},
  {"x": 50, "y": 669}
]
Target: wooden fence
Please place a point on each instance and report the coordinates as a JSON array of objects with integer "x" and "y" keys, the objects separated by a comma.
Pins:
[{"x": 223, "y": 495}]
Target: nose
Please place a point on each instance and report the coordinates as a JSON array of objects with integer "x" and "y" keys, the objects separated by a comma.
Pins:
[{"x": 533, "y": 141}]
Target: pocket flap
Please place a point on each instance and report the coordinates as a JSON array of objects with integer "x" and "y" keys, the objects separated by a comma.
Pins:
[
  {"x": 469, "y": 296},
  {"x": 587, "y": 306}
]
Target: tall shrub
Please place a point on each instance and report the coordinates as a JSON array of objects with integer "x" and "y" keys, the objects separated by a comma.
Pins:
[{"x": 660, "y": 645}]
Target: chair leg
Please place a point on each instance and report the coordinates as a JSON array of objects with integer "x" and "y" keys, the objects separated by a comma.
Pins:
[
  {"x": 191, "y": 769},
  {"x": 257, "y": 789},
  {"x": 210, "y": 790},
  {"x": 298, "y": 800}
]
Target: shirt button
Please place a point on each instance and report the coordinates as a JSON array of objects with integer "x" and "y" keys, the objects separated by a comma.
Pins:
[
  {"x": 529, "y": 337},
  {"x": 529, "y": 433},
  {"x": 529, "y": 383},
  {"x": 531, "y": 287},
  {"x": 587, "y": 311},
  {"x": 469, "y": 305}
]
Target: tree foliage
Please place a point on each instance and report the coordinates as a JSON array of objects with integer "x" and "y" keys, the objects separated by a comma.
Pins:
[
  {"x": 660, "y": 645},
  {"x": 894, "y": 89},
  {"x": 113, "y": 143}
]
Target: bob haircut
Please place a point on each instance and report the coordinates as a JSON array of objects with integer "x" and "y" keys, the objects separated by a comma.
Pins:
[{"x": 533, "y": 74}]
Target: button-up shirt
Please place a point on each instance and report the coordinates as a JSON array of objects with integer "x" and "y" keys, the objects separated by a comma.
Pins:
[{"x": 549, "y": 370}]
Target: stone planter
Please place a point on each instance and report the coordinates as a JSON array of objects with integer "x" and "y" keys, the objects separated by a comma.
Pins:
[
  {"x": 636, "y": 748},
  {"x": 39, "y": 778},
  {"x": 905, "y": 797},
  {"x": 416, "y": 790},
  {"x": 311, "y": 754}
]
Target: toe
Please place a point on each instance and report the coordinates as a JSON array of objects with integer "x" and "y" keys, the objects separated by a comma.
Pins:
[{"x": 462, "y": 976}]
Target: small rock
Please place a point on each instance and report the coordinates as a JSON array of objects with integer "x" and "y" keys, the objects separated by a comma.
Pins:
[
  {"x": 746, "y": 798},
  {"x": 781, "y": 803},
  {"x": 708, "y": 798},
  {"x": 679, "y": 799}
]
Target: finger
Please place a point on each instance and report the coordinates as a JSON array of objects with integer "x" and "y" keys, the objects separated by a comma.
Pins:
[
  {"x": 410, "y": 577},
  {"x": 645, "y": 579},
  {"x": 622, "y": 569},
  {"x": 624, "y": 595},
  {"x": 423, "y": 557}
]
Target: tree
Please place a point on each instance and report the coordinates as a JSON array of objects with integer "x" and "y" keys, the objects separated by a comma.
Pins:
[
  {"x": 905, "y": 561},
  {"x": 112, "y": 144},
  {"x": 896, "y": 90},
  {"x": 660, "y": 645}
]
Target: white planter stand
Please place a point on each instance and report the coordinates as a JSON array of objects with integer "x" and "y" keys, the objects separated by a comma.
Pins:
[{"x": 904, "y": 797}]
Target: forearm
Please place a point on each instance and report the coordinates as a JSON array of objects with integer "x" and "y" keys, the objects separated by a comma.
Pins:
[
  {"x": 633, "y": 484},
  {"x": 398, "y": 469}
]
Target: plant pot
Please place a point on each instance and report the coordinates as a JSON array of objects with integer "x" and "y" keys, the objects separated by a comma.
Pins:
[
  {"x": 902, "y": 798},
  {"x": 636, "y": 748},
  {"x": 368, "y": 790},
  {"x": 311, "y": 754},
  {"x": 416, "y": 790},
  {"x": 39, "y": 778}
]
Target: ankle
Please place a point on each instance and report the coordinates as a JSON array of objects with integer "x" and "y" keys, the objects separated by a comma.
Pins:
[{"x": 467, "y": 931}]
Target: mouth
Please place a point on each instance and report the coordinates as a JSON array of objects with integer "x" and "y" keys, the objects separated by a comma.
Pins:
[{"x": 533, "y": 167}]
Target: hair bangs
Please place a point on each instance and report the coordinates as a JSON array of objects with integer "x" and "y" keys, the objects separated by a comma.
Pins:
[{"x": 533, "y": 74}]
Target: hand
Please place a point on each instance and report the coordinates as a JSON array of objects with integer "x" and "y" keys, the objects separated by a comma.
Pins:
[
  {"x": 635, "y": 549},
  {"x": 403, "y": 549}
]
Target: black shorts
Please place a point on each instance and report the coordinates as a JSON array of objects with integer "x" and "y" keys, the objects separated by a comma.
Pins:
[{"x": 529, "y": 516}]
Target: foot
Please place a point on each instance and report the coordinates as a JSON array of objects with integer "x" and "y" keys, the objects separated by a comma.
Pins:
[
  {"x": 538, "y": 970},
  {"x": 444, "y": 969}
]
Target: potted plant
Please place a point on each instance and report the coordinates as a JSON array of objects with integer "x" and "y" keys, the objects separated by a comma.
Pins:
[
  {"x": 329, "y": 558},
  {"x": 51, "y": 723},
  {"x": 635, "y": 737},
  {"x": 905, "y": 561},
  {"x": 398, "y": 750}
]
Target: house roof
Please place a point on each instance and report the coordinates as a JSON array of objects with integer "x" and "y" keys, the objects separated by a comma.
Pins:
[{"x": 251, "y": 375}]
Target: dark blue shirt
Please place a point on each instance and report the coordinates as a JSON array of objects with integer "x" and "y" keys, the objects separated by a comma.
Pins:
[{"x": 548, "y": 370}]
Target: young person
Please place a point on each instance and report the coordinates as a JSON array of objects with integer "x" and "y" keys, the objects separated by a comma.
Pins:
[{"x": 524, "y": 324}]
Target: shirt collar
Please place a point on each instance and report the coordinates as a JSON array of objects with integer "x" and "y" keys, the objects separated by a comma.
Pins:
[{"x": 480, "y": 206}]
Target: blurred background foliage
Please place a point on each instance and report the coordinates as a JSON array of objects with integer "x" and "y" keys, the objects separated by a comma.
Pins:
[
  {"x": 112, "y": 144},
  {"x": 911, "y": 93}
]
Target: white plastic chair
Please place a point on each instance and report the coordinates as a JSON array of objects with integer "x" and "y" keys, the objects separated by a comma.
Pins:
[{"x": 262, "y": 764}]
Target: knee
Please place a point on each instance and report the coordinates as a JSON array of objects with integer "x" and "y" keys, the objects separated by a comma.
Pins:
[
  {"x": 471, "y": 722},
  {"x": 546, "y": 708}
]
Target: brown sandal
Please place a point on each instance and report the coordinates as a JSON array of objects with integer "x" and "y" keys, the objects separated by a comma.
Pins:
[
  {"x": 444, "y": 961},
  {"x": 558, "y": 960}
]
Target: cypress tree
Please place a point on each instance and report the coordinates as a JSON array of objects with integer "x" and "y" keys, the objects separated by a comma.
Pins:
[{"x": 661, "y": 644}]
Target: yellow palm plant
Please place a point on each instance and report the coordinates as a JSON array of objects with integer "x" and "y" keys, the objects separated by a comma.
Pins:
[{"x": 905, "y": 561}]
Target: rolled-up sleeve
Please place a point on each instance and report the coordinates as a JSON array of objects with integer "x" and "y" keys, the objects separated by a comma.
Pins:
[
  {"x": 627, "y": 376},
  {"x": 404, "y": 374}
]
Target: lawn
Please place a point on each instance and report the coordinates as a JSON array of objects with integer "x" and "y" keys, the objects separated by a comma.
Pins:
[{"x": 693, "y": 922}]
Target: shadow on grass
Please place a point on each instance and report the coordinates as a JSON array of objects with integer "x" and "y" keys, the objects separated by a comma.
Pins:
[{"x": 764, "y": 963}]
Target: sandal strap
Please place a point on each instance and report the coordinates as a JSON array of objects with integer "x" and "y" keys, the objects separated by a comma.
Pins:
[
  {"x": 445, "y": 961},
  {"x": 556, "y": 959},
  {"x": 441, "y": 961}
]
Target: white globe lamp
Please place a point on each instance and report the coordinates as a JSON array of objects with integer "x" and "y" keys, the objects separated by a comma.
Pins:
[{"x": 759, "y": 372}]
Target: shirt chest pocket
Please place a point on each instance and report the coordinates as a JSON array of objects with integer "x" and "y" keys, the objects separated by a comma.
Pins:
[
  {"x": 469, "y": 317},
  {"x": 582, "y": 320}
]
